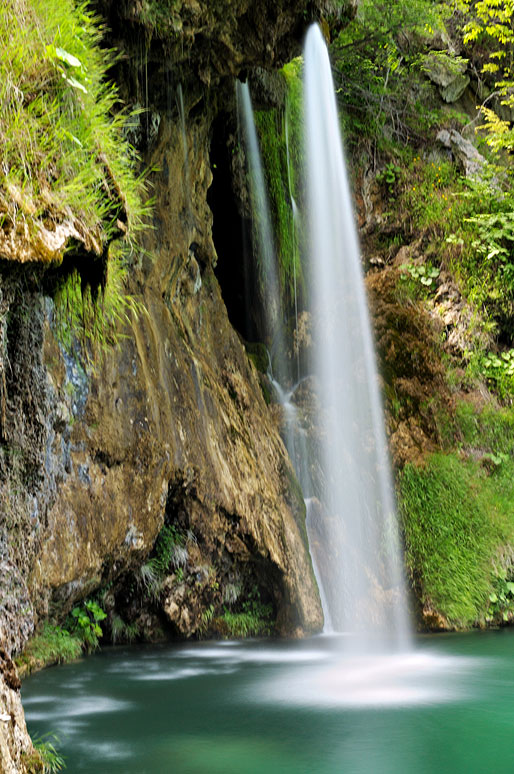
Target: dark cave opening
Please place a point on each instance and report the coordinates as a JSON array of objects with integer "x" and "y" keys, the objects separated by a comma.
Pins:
[{"x": 236, "y": 269}]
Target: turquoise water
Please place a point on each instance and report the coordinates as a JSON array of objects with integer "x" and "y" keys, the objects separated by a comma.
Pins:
[{"x": 283, "y": 708}]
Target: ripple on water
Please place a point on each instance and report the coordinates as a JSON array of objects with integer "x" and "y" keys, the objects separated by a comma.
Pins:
[{"x": 76, "y": 707}]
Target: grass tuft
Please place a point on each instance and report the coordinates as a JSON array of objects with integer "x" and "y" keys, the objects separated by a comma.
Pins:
[{"x": 52, "y": 645}]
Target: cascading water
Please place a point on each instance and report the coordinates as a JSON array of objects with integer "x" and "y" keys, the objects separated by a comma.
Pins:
[
  {"x": 279, "y": 368},
  {"x": 262, "y": 219},
  {"x": 361, "y": 564},
  {"x": 352, "y": 524}
]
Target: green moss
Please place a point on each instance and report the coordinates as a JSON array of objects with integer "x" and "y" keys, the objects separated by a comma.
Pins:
[
  {"x": 456, "y": 516},
  {"x": 259, "y": 355},
  {"x": 53, "y": 645},
  {"x": 280, "y": 143}
]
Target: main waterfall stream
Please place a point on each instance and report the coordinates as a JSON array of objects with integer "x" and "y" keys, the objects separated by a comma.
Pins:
[{"x": 361, "y": 557}]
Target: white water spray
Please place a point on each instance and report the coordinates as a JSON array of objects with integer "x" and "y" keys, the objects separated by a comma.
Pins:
[{"x": 360, "y": 563}]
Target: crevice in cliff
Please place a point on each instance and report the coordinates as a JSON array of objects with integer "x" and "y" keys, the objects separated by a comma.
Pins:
[{"x": 232, "y": 231}]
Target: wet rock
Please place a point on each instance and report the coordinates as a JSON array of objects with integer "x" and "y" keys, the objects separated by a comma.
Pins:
[{"x": 15, "y": 744}]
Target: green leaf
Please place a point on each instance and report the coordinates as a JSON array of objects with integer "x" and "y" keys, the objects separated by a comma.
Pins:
[
  {"x": 76, "y": 85},
  {"x": 493, "y": 598},
  {"x": 65, "y": 56},
  {"x": 510, "y": 586}
]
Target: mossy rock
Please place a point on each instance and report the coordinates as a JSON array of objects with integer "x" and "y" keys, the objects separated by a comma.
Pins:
[{"x": 259, "y": 355}]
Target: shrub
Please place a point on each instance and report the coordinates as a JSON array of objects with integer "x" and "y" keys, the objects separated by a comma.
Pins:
[{"x": 85, "y": 623}]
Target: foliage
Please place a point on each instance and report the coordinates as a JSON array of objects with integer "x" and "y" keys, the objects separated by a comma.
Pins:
[
  {"x": 376, "y": 62},
  {"x": 423, "y": 273},
  {"x": 53, "y": 645},
  {"x": 170, "y": 552},
  {"x": 52, "y": 760},
  {"x": 492, "y": 23},
  {"x": 455, "y": 518},
  {"x": 252, "y": 619},
  {"x": 498, "y": 370},
  {"x": 466, "y": 226},
  {"x": 121, "y": 630},
  {"x": 431, "y": 198},
  {"x": 206, "y": 618},
  {"x": 501, "y": 600},
  {"x": 389, "y": 177},
  {"x": 85, "y": 623},
  {"x": 62, "y": 153}
]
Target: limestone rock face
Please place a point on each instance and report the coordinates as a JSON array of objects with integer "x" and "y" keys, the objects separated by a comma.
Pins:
[
  {"x": 176, "y": 408},
  {"x": 467, "y": 156},
  {"x": 15, "y": 745},
  {"x": 216, "y": 38}
]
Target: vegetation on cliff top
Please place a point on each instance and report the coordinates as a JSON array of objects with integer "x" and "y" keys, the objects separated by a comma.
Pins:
[{"x": 65, "y": 168}]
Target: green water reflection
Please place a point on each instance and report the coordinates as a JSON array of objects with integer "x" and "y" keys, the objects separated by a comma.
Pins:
[{"x": 283, "y": 708}]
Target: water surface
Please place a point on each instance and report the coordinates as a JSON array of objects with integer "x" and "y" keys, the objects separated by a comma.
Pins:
[{"x": 283, "y": 708}]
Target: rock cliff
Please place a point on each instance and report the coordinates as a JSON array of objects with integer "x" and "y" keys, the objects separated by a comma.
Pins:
[{"x": 170, "y": 425}]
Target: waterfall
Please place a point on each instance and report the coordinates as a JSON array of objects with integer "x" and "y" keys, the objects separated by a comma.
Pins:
[
  {"x": 268, "y": 270},
  {"x": 361, "y": 560},
  {"x": 344, "y": 468}
]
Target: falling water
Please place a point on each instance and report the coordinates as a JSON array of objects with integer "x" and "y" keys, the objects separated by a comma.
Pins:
[
  {"x": 360, "y": 561},
  {"x": 264, "y": 232},
  {"x": 295, "y": 437}
]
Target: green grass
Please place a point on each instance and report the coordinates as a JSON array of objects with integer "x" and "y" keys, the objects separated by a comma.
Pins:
[
  {"x": 456, "y": 515},
  {"x": 53, "y": 645},
  {"x": 63, "y": 157},
  {"x": 491, "y": 429},
  {"x": 95, "y": 318},
  {"x": 250, "y": 618},
  {"x": 52, "y": 761}
]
